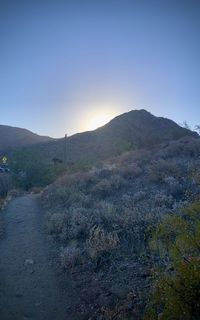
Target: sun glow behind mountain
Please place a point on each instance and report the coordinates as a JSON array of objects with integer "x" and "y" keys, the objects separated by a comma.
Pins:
[
  {"x": 99, "y": 118},
  {"x": 98, "y": 121}
]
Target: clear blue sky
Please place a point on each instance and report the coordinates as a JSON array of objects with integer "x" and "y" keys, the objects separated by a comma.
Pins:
[{"x": 63, "y": 61}]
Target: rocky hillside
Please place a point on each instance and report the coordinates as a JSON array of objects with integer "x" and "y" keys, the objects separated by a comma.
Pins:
[
  {"x": 129, "y": 131},
  {"x": 12, "y": 137}
]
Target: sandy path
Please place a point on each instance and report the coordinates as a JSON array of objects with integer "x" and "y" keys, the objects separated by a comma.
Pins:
[{"x": 29, "y": 288}]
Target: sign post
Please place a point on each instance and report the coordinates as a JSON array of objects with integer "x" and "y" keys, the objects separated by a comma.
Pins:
[
  {"x": 65, "y": 150},
  {"x": 4, "y": 159}
]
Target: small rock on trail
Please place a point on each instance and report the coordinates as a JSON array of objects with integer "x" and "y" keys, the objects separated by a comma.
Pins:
[
  {"x": 28, "y": 262},
  {"x": 29, "y": 288}
]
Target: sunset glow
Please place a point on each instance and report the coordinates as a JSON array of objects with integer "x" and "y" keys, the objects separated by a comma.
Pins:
[
  {"x": 98, "y": 121},
  {"x": 99, "y": 118}
]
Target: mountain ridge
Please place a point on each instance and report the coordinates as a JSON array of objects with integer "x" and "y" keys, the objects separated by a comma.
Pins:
[
  {"x": 14, "y": 137},
  {"x": 134, "y": 129}
]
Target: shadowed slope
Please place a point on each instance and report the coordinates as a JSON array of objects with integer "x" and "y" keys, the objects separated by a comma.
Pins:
[{"x": 12, "y": 137}]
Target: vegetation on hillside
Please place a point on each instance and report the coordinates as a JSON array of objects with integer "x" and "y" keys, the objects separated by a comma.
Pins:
[
  {"x": 176, "y": 288},
  {"x": 101, "y": 214},
  {"x": 5, "y": 184},
  {"x": 30, "y": 170},
  {"x": 5, "y": 187},
  {"x": 103, "y": 218}
]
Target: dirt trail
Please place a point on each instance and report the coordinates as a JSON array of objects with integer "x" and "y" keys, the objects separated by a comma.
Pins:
[{"x": 29, "y": 288}]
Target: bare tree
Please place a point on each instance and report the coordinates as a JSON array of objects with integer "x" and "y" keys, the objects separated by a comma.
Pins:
[
  {"x": 185, "y": 125},
  {"x": 197, "y": 128}
]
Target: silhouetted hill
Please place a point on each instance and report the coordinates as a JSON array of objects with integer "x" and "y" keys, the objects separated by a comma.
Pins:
[
  {"x": 134, "y": 129},
  {"x": 12, "y": 137}
]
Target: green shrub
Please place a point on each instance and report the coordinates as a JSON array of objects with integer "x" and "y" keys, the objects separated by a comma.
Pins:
[
  {"x": 5, "y": 184},
  {"x": 176, "y": 290},
  {"x": 31, "y": 170},
  {"x": 122, "y": 145}
]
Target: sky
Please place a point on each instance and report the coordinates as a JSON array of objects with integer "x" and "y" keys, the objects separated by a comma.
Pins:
[{"x": 70, "y": 66}]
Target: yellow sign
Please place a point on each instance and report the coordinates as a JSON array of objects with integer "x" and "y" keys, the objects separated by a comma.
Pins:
[{"x": 4, "y": 159}]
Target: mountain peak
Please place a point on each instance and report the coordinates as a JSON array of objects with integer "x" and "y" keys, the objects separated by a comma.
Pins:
[{"x": 144, "y": 129}]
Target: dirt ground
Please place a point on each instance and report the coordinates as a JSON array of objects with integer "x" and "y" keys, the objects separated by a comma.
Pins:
[{"x": 30, "y": 287}]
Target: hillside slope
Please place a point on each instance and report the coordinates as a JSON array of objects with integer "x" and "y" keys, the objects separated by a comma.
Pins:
[
  {"x": 134, "y": 129},
  {"x": 104, "y": 218},
  {"x": 13, "y": 137}
]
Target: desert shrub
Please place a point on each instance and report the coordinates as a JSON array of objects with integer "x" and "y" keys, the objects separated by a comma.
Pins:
[
  {"x": 78, "y": 181},
  {"x": 139, "y": 195},
  {"x": 58, "y": 195},
  {"x": 117, "y": 182},
  {"x": 73, "y": 224},
  {"x": 31, "y": 170},
  {"x": 70, "y": 256},
  {"x": 105, "y": 187},
  {"x": 104, "y": 173},
  {"x": 132, "y": 229},
  {"x": 176, "y": 289},
  {"x": 131, "y": 171},
  {"x": 177, "y": 188},
  {"x": 100, "y": 241},
  {"x": 195, "y": 174},
  {"x": 66, "y": 196},
  {"x": 139, "y": 156},
  {"x": 75, "y": 197},
  {"x": 162, "y": 199},
  {"x": 184, "y": 147},
  {"x": 56, "y": 222},
  {"x": 108, "y": 209},
  {"x": 79, "y": 224},
  {"x": 5, "y": 184},
  {"x": 159, "y": 169},
  {"x": 61, "y": 195},
  {"x": 82, "y": 165}
]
